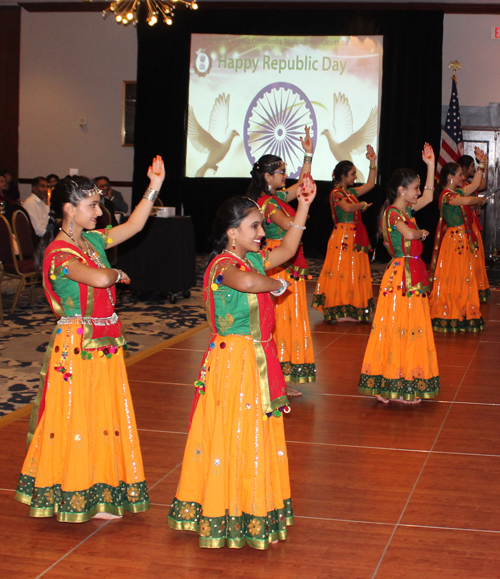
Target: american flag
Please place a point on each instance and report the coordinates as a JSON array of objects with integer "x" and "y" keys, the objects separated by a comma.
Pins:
[{"x": 452, "y": 141}]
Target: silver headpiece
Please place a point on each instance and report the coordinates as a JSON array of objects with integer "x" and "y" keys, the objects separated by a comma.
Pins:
[
  {"x": 253, "y": 201},
  {"x": 94, "y": 191}
]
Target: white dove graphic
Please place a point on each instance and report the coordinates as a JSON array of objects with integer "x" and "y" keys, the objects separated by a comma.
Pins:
[
  {"x": 205, "y": 142},
  {"x": 344, "y": 142}
]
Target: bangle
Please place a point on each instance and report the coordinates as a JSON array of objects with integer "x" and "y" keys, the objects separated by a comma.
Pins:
[
  {"x": 292, "y": 224},
  {"x": 373, "y": 167},
  {"x": 365, "y": 206},
  {"x": 480, "y": 165},
  {"x": 283, "y": 288},
  {"x": 151, "y": 194},
  {"x": 120, "y": 275},
  {"x": 308, "y": 157},
  {"x": 430, "y": 188}
]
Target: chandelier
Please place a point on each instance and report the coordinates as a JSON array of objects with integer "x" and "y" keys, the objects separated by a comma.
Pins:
[{"x": 127, "y": 11}]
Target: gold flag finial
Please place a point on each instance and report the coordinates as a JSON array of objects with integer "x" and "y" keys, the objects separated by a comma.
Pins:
[{"x": 454, "y": 66}]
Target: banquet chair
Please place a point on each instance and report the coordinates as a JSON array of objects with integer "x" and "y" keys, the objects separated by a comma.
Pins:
[
  {"x": 23, "y": 235},
  {"x": 14, "y": 268},
  {"x": 101, "y": 223},
  {"x": 103, "y": 220}
]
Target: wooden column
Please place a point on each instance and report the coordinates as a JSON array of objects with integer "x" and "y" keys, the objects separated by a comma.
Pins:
[{"x": 10, "y": 43}]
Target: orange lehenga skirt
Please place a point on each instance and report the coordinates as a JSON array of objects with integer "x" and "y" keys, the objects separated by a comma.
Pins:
[
  {"x": 483, "y": 285},
  {"x": 344, "y": 288},
  {"x": 454, "y": 298},
  {"x": 84, "y": 457},
  {"x": 234, "y": 487},
  {"x": 292, "y": 333},
  {"x": 400, "y": 359}
]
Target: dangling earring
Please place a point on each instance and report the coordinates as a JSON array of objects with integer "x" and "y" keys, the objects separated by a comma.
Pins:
[
  {"x": 234, "y": 245},
  {"x": 403, "y": 195},
  {"x": 269, "y": 188},
  {"x": 71, "y": 228}
]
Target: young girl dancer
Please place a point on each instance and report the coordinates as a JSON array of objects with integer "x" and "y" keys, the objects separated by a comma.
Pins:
[
  {"x": 84, "y": 458},
  {"x": 400, "y": 362},
  {"x": 234, "y": 487},
  {"x": 455, "y": 293},
  {"x": 292, "y": 332},
  {"x": 344, "y": 289}
]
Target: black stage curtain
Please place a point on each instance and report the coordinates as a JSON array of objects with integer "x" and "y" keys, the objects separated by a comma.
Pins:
[{"x": 410, "y": 115}]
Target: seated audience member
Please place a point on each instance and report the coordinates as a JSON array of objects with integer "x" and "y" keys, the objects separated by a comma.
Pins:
[
  {"x": 12, "y": 192},
  {"x": 7, "y": 205},
  {"x": 105, "y": 185},
  {"x": 36, "y": 205},
  {"x": 3, "y": 190},
  {"x": 52, "y": 180}
]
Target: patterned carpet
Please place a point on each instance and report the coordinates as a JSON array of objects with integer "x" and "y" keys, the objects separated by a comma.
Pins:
[{"x": 147, "y": 320}]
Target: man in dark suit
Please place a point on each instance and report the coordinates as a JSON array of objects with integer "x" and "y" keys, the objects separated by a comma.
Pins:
[{"x": 116, "y": 197}]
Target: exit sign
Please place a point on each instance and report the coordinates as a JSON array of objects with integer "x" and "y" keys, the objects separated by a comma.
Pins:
[{"x": 495, "y": 32}]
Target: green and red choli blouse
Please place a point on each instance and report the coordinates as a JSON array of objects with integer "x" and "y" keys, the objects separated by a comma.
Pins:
[
  {"x": 406, "y": 251},
  {"x": 270, "y": 204},
  {"x": 361, "y": 239}
]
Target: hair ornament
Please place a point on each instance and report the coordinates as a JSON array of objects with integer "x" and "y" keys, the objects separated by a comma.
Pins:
[
  {"x": 253, "y": 201},
  {"x": 90, "y": 192}
]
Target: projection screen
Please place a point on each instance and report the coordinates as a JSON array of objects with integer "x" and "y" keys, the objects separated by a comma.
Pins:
[{"x": 253, "y": 95}]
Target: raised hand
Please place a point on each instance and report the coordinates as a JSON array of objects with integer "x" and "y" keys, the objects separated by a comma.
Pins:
[
  {"x": 307, "y": 142},
  {"x": 156, "y": 173},
  {"x": 307, "y": 190},
  {"x": 428, "y": 155},
  {"x": 370, "y": 154},
  {"x": 480, "y": 155}
]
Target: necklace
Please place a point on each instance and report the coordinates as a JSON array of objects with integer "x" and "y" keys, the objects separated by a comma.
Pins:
[
  {"x": 72, "y": 239},
  {"x": 94, "y": 257},
  {"x": 243, "y": 259}
]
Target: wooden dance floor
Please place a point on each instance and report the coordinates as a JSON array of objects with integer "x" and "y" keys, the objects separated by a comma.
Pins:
[{"x": 386, "y": 491}]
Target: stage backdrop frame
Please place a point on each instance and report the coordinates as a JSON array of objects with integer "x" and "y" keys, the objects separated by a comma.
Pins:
[{"x": 410, "y": 109}]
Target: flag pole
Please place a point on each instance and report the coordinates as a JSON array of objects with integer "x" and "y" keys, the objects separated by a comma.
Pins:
[{"x": 452, "y": 146}]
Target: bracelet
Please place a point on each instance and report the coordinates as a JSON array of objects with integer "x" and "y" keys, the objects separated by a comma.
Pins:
[
  {"x": 151, "y": 194},
  {"x": 283, "y": 288},
  {"x": 430, "y": 188},
  {"x": 120, "y": 275},
  {"x": 292, "y": 224},
  {"x": 373, "y": 167},
  {"x": 480, "y": 165},
  {"x": 365, "y": 206},
  {"x": 308, "y": 158}
]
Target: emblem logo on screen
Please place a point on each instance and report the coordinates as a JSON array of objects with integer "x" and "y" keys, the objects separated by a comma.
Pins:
[
  {"x": 203, "y": 63},
  {"x": 274, "y": 123}
]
